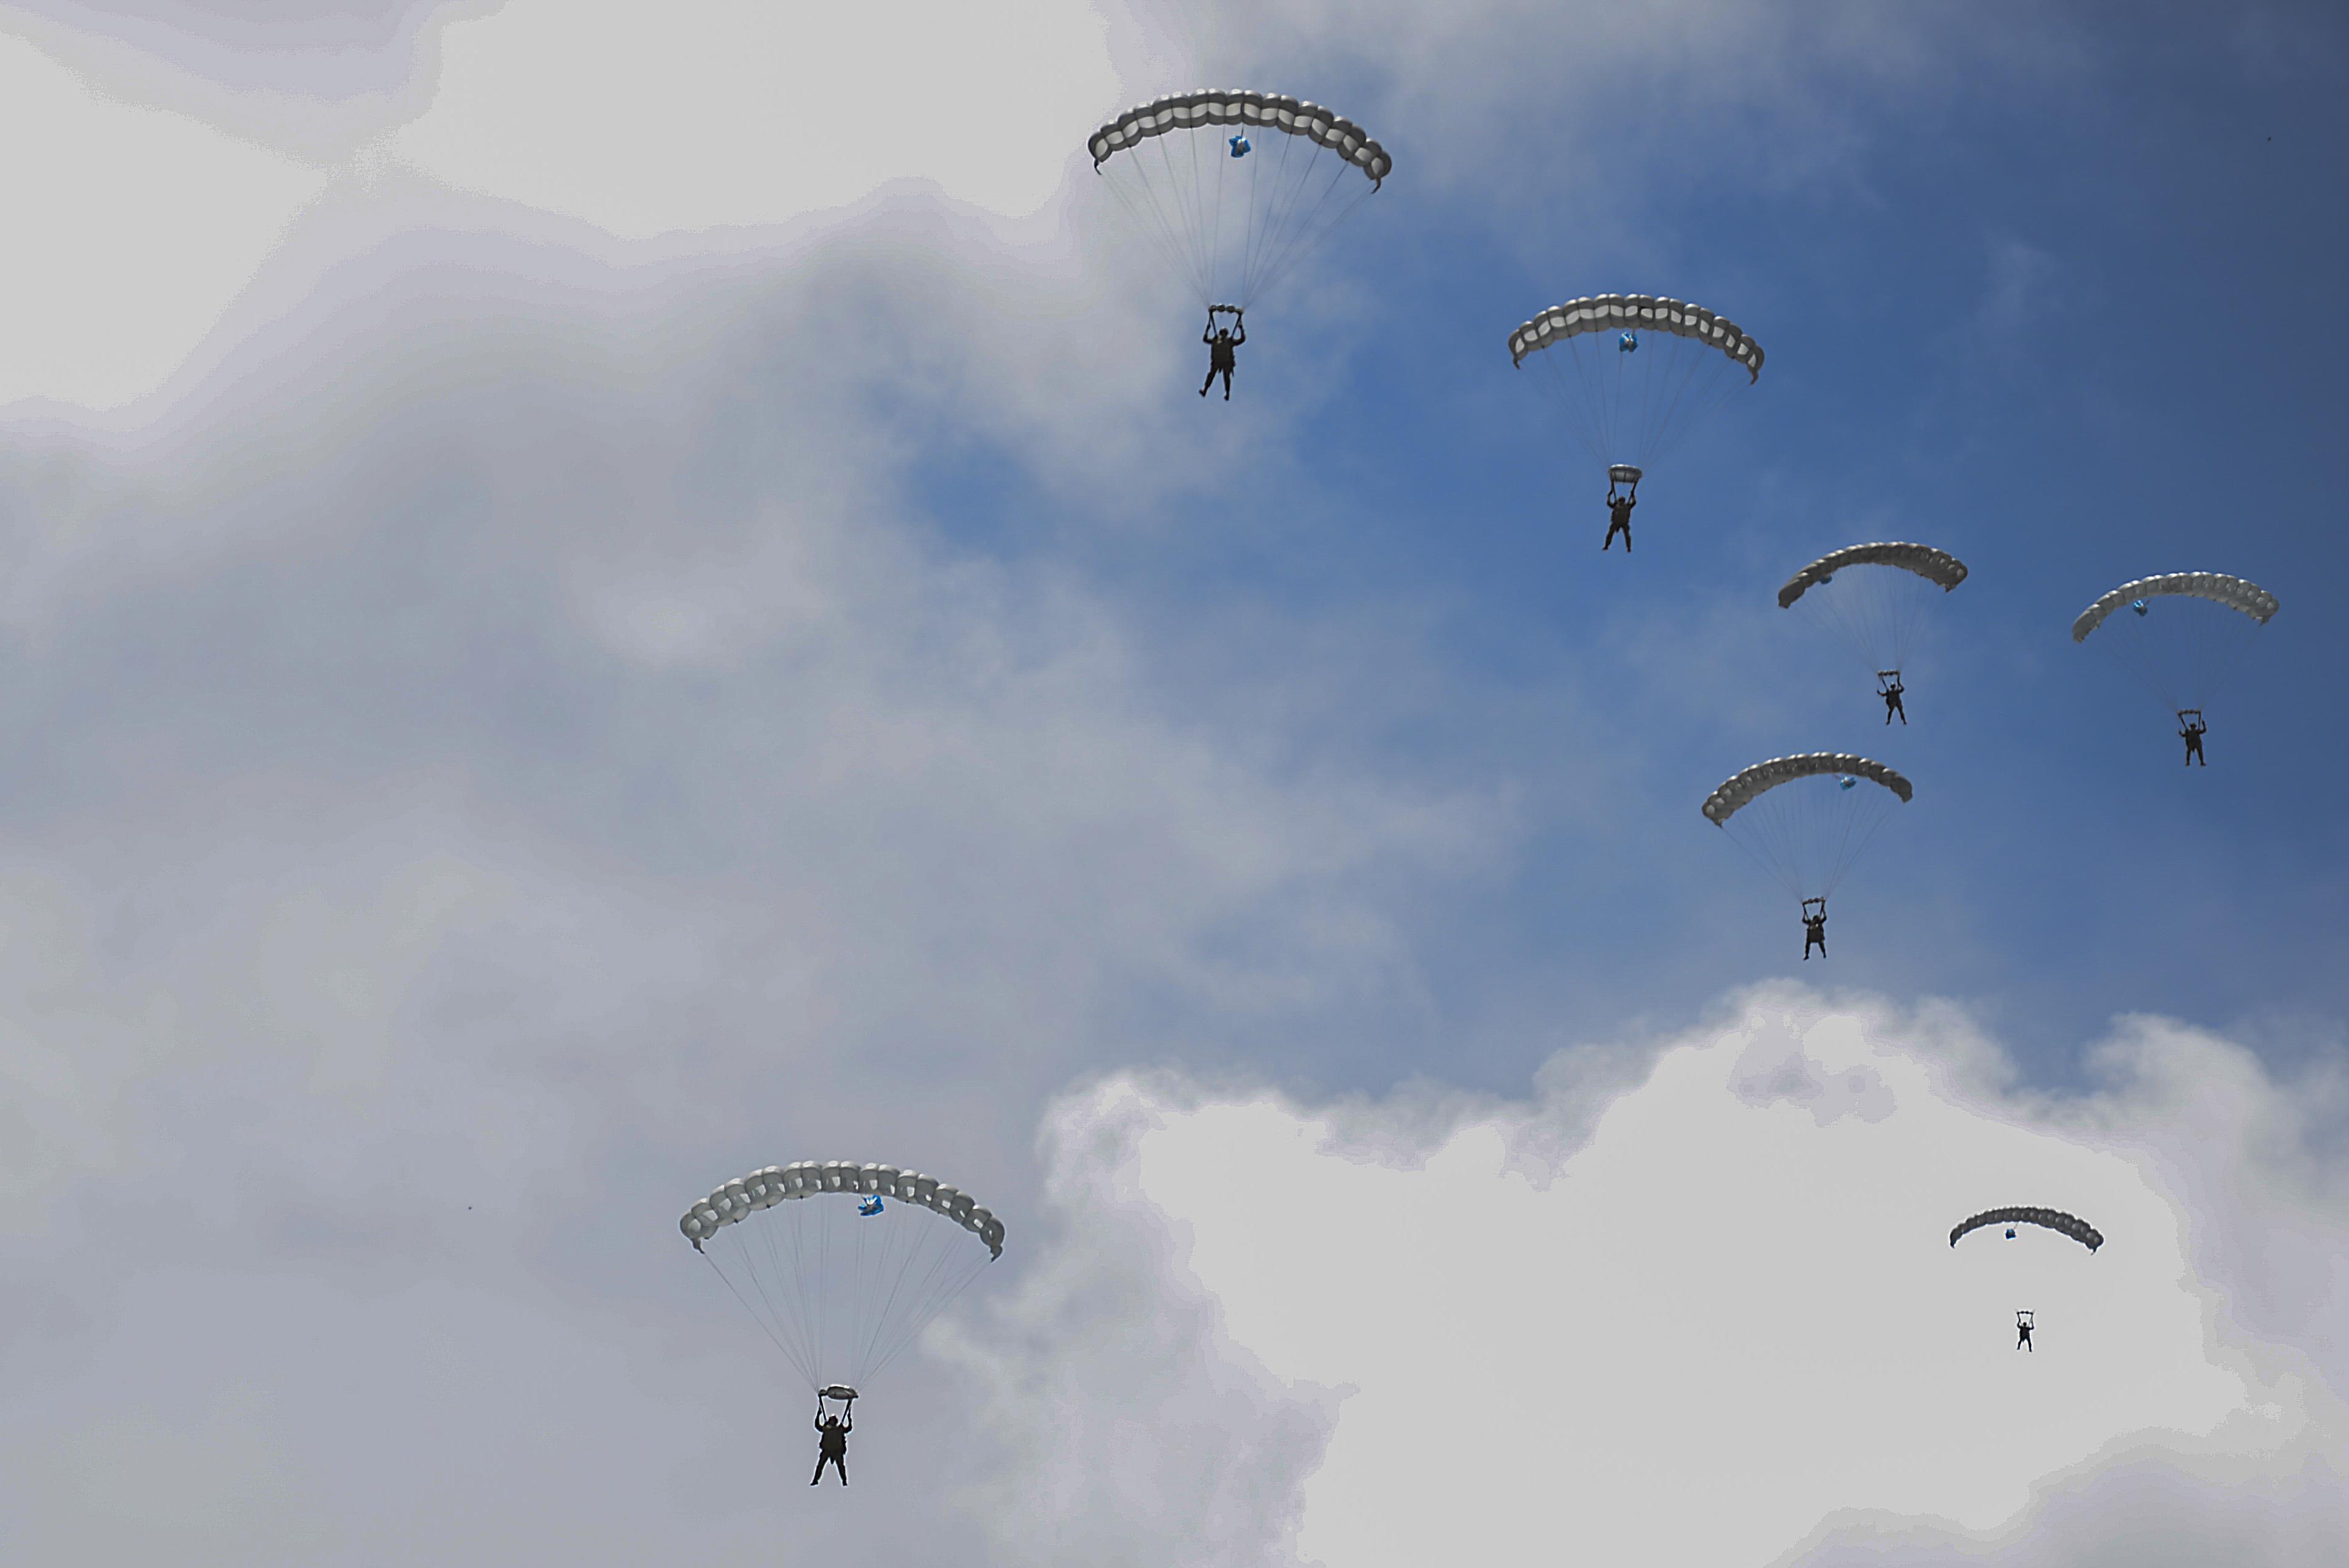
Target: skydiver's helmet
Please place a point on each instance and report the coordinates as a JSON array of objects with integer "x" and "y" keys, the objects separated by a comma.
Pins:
[
  {"x": 2138, "y": 605},
  {"x": 1239, "y": 144},
  {"x": 1628, "y": 344}
]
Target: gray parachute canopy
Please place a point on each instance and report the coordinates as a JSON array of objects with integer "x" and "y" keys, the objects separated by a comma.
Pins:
[
  {"x": 1741, "y": 789},
  {"x": 744, "y": 1196},
  {"x": 1248, "y": 111},
  {"x": 2054, "y": 1220},
  {"x": 2217, "y": 587},
  {"x": 842, "y": 1265},
  {"x": 1934, "y": 565},
  {"x": 1636, "y": 313}
]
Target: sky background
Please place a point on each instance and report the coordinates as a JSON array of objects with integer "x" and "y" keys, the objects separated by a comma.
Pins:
[{"x": 594, "y": 596}]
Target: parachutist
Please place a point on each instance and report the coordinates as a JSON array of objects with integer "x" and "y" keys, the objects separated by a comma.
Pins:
[
  {"x": 1221, "y": 342},
  {"x": 2023, "y": 1333},
  {"x": 831, "y": 1448},
  {"x": 2192, "y": 734},
  {"x": 1890, "y": 691},
  {"x": 1619, "y": 517},
  {"x": 1815, "y": 928}
]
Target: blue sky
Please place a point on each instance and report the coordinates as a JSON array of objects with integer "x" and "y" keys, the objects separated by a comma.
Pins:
[
  {"x": 1992, "y": 325},
  {"x": 583, "y": 613}
]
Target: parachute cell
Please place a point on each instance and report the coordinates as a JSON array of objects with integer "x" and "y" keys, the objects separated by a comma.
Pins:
[
  {"x": 1234, "y": 217},
  {"x": 838, "y": 1287}
]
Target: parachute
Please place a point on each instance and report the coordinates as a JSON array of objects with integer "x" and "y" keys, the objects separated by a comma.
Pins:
[
  {"x": 2184, "y": 633},
  {"x": 2054, "y": 1220},
  {"x": 1629, "y": 403},
  {"x": 841, "y": 1290},
  {"x": 1874, "y": 596},
  {"x": 1803, "y": 818},
  {"x": 1236, "y": 218}
]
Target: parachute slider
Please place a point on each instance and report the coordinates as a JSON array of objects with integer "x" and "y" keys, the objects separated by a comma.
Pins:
[
  {"x": 839, "y": 1391},
  {"x": 1626, "y": 474}
]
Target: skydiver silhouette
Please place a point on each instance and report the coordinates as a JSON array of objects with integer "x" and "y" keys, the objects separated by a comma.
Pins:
[
  {"x": 2192, "y": 735},
  {"x": 1220, "y": 342},
  {"x": 1815, "y": 928},
  {"x": 2023, "y": 1333},
  {"x": 831, "y": 1449},
  {"x": 1619, "y": 519},
  {"x": 1891, "y": 695}
]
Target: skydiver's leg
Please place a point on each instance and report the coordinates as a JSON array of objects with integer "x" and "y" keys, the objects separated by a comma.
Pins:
[
  {"x": 819, "y": 1469},
  {"x": 1227, "y": 385}
]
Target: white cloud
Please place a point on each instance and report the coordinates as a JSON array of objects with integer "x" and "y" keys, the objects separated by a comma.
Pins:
[
  {"x": 1726, "y": 1317},
  {"x": 131, "y": 231},
  {"x": 642, "y": 117}
]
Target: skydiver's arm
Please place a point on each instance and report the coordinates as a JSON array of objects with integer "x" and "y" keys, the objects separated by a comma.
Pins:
[{"x": 1241, "y": 335}]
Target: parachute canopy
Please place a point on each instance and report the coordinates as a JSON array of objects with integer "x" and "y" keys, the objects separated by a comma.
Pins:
[
  {"x": 1231, "y": 214},
  {"x": 2249, "y": 598},
  {"x": 1803, "y": 818},
  {"x": 1632, "y": 373},
  {"x": 1741, "y": 789},
  {"x": 1629, "y": 315},
  {"x": 2054, "y": 1220},
  {"x": 1939, "y": 567},
  {"x": 2186, "y": 634},
  {"x": 841, "y": 1291}
]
